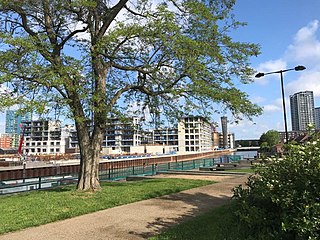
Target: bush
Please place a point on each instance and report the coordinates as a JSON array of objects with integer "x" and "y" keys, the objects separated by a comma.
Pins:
[{"x": 282, "y": 199}]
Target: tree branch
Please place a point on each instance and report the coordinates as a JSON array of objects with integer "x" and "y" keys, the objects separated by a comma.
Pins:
[
  {"x": 133, "y": 12},
  {"x": 48, "y": 23},
  {"x": 109, "y": 16},
  {"x": 128, "y": 68}
]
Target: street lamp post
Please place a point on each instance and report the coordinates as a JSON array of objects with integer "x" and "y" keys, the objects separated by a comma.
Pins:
[{"x": 297, "y": 68}]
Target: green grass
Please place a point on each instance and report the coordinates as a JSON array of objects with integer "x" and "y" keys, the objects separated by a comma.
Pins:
[
  {"x": 39, "y": 207},
  {"x": 241, "y": 170},
  {"x": 218, "y": 224}
]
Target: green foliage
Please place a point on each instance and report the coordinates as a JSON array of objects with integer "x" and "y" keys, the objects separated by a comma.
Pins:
[
  {"x": 83, "y": 56},
  {"x": 281, "y": 201},
  {"x": 39, "y": 207},
  {"x": 269, "y": 139}
]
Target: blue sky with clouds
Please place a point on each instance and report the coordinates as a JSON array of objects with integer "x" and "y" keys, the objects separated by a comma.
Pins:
[{"x": 289, "y": 35}]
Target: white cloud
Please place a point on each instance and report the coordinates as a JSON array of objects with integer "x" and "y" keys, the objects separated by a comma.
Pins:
[
  {"x": 305, "y": 47},
  {"x": 247, "y": 128},
  {"x": 257, "y": 99},
  {"x": 275, "y": 106},
  {"x": 305, "y": 50},
  {"x": 271, "y": 108},
  {"x": 310, "y": 80},
  {"x": 269, "y": 66}
]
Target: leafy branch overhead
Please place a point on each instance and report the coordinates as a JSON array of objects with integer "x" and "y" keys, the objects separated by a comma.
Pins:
[{"x": 174, "y": 50}]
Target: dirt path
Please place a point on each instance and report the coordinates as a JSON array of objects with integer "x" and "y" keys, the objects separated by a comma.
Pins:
[{"x": 138, "y": 220}]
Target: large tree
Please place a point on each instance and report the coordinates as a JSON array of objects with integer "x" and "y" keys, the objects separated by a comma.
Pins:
[{"x": 91, "y": 58}]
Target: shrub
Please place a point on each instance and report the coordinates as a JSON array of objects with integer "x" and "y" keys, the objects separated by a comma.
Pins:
[{"x": 282, "y": 199}]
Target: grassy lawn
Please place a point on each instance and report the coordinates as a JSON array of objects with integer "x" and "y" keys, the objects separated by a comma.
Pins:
[
  {"x": 244, "y": 170},
  {"x": 218, "y": 224},
  {"x": 39, "y": 207}
]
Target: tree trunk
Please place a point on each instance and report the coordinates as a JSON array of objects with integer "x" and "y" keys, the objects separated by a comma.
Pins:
[
  {"x": 89, "y": 158},
  {"x": 90, "y": 140},
  {"x": 89, "y": 170}
]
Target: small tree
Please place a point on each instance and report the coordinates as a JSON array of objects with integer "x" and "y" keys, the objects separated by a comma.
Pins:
[
  {"x": 281, "y": 201},
  {"x": 93, "y": 58},
  {"x": 268, "y": 140}
]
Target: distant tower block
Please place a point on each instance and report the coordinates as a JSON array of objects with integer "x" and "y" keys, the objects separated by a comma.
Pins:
[{"x": 224, "y": 121}]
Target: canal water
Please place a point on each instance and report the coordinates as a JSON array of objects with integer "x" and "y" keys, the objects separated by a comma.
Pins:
[{"x": 246, "y": 154}]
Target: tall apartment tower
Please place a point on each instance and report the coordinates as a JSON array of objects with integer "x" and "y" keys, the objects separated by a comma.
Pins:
[
  {"x": 13, "y": 121},
  {"x": 13, "y": 125},
  {"x": 317, "y": 117},
  {"x": 302, "y": 110},
  {"x": 224, "y": 126}
]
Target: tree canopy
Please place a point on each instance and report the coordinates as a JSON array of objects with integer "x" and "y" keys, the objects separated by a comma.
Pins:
[
  {"x": 88, "y": 59},
  {"x": 269, "y": 139}
]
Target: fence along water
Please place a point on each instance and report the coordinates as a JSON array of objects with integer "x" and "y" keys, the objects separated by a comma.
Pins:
[{"x": 28, "y": 184}]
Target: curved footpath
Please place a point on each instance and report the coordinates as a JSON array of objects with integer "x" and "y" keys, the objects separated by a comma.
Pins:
[{"x": 138, "y": 220}]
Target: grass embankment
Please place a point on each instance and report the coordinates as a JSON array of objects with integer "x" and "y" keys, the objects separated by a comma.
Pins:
[
  {"x": 39, "y": 207},
  {"x": 217, "y": 224},
  {"x": 241, "y": 170}
]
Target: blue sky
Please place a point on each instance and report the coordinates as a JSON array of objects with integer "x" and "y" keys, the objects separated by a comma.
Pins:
[{"x": 289, "y": 35}]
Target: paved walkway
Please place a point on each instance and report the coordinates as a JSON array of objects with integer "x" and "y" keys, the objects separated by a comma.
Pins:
[{"x": 138, "y": 220}]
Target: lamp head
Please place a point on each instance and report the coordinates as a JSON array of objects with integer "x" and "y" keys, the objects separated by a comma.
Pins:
[
  {"x": 259, "y": 75},
  {"x": 299, "y": 68}
]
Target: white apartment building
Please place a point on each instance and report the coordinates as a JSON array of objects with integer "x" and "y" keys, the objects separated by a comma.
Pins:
[
  {"x": 43, "y": 137},
  {"x": 231, "y": 142},
  {"x": 121, "y": 135},
  {"x": 166, "y": 136},
  {"x": 195, "y": 134}
]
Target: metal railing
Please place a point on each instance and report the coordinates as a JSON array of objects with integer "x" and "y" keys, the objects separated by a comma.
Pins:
[{"x": 28, "y": 184}]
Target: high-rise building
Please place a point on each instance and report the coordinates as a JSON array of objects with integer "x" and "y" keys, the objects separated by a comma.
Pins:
[
  {"x": 14, "y": 125},
  {"x": 224, "y": 126},
  {"x": 302, "y": 110},
  {"x": 317, "y": 117}
]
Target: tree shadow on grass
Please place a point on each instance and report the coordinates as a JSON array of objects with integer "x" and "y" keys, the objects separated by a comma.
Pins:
[{"x": 192, "y": 205}]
